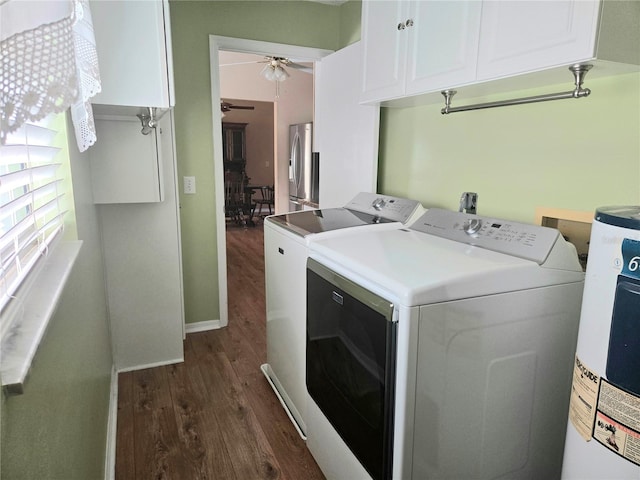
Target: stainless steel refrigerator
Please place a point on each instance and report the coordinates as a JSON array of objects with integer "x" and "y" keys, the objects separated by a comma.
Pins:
[{"x": 303, "y": 167}]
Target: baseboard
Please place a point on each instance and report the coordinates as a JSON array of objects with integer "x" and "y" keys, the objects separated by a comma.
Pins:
[
  {"x": 202, "y": 326},
  {"x": 112, "y": 423},
  {"x": 151, "y": 365},
  {"x": 266, "y": 370}
]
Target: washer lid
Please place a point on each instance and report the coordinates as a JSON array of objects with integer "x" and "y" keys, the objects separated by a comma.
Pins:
[
  {"x": 366, "y": 208},
  {"x": 414, "y": 268},
  {"x": 307, "y": 222},
  {"x": 626, "y": 216}
]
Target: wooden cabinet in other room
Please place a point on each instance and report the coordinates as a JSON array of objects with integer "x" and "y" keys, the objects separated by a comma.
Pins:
[
  {"x": 234, "y": 146},
  {"x": 133, "y": 41}
]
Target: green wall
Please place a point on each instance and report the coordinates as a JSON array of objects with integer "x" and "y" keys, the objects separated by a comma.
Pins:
[
  {"x": 571, "y": 154},
  {"x": 350, "y": 13},
  {"x": 568, "y": 154},
  {"x": 57, "y": 429},
  {"x": 292, "y": 22}
]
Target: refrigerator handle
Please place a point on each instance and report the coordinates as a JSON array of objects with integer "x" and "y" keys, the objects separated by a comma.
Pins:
[
  {"x": 315, "y": 177},
  {"x": 293, "y": 159}
]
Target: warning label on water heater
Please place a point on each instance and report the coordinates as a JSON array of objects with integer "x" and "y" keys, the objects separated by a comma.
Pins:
[
  {"x": 584, "y": 395},
  {"x": 617, "y": 424}
]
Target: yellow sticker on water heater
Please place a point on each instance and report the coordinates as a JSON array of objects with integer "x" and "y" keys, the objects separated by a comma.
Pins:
[{"x": 584, "y": 397}]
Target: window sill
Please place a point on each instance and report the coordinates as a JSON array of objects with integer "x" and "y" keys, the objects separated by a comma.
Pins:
[{"x": 29, "y": 325}]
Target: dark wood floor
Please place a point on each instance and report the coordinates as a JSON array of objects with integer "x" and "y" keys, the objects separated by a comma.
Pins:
[{"x": 213, "y": 416}]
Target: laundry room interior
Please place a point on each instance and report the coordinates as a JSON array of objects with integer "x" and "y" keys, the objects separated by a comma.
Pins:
[{"x": 324, "y": 239}]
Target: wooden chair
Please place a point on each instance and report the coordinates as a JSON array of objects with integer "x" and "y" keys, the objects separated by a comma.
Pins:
[
  {"x": 265, "y": 200},
  {"x": 235, "y": 198}
]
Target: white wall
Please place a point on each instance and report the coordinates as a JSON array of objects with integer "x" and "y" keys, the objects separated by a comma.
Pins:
[
  {"x": 294, "y": 104},
  {"x": 259, "y": 133}
]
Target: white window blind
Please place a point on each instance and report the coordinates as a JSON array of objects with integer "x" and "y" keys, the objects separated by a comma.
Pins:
[{"x": 31, "y": 212}]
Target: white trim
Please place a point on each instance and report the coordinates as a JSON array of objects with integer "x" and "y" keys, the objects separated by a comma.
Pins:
[
  {"x": 258, "y": 47},
  {"x": 30, "y": 313},
  {"x": 218, "y": 179},
  {"x": 202, "y": 326},
  {"x": 233, "y": 44},
  {"x": 151, "y": 365},
  {"x": 112, "y": 424},
  {"x": 268, "y": 373}
]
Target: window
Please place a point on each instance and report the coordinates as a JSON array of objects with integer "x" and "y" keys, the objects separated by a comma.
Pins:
[{"x": 31, "y": 211}]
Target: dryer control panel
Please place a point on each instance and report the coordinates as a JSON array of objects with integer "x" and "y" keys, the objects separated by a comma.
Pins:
[
  {"x": 391, "y": 208},
  {"x": 530, "y": 242}
]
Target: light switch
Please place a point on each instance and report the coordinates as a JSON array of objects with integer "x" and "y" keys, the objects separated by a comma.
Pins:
[{"x": 189, "y": 185}]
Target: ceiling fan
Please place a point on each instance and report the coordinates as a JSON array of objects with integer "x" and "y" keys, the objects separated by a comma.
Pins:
[
  {"x": 274, "y": 68},
  {"x": 227, "y": 107},
  {"x": 275, "y": 62}
]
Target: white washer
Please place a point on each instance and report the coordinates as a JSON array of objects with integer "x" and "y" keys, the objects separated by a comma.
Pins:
[
  {"x": 603, "y": 435},
  {"x": 286, "y": 240},
  {"x": 482, "y": 324}
]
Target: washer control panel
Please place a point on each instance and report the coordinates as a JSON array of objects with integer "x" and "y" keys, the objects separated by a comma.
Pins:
[
  {"x": 530, "y": 242},
  {"x": 391, "y": 208}
]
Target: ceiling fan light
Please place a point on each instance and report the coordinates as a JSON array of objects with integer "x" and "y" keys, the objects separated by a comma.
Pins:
[
  {"x": 281, "y": 74},
  {"x": 268, "y": 73}
]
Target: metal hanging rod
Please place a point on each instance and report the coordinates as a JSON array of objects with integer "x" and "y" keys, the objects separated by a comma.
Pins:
[{"x": 579, "y": 71}]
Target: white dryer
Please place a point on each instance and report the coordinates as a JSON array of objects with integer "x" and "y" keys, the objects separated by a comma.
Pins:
[
  {"x": 442, "y": 350},
  {"x": 286, "y": 240}
]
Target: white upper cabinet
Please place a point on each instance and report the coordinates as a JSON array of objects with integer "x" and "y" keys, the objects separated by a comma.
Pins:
[
  {"x": 415, "y": 49},
  {"x": 443, "y": 44},
  {"x": 384, "y": 46},
  {"x": 133, "y": 40},
  {"x": 415, "y": 46},
  {"x": 525, "y": 36}
]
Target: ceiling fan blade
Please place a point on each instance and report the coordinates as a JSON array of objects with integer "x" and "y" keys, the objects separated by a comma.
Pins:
[
  {"x": 226, "y": 106},
  {"x": 240, "y": 63},
  {"x": 301, "y": 68}
]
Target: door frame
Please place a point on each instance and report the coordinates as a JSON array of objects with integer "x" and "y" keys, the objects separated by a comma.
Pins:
[{"x": 217, "y": 43}]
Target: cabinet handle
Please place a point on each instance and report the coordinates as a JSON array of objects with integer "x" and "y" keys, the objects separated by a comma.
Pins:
[
  {"x": 409, "y": 22},
  {"x": 401, "y": 26}
]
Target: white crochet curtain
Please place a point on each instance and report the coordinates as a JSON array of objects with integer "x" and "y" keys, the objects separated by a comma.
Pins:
[{"x": 48, "y": 63}]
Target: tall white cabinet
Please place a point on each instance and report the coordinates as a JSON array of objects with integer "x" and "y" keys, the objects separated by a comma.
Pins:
[
  {"x": 134, "y": 182},
  {"x": 143, "y": 268}
]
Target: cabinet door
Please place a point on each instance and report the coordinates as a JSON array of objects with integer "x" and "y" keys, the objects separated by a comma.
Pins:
[
  {"x": 345, "y": 133},
  {"x": 443, "y": 45},
  {"x": 125, "y": 165},
  {"x": 525, "y": 36},
  {"x": 134, "y": 52},
  {"x": 384, "y": 49}
]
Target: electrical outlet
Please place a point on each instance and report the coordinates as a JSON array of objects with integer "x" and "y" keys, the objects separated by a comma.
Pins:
[
  {"x": 189, "y": 185},
  {"x": 266, "y": 164}
]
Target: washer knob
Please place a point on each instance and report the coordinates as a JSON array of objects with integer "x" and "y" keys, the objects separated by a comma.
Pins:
[
  {"x": 472, "y": 226},
  {"x": 378, "y": 203}
]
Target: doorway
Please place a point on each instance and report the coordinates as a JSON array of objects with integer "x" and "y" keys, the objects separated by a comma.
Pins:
[
  {"x": 281, "y": 117},
  {"x": 248, "y": 159}
]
